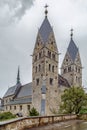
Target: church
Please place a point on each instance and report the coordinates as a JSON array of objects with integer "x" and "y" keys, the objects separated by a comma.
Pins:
[{"x": 44, "y": 92}]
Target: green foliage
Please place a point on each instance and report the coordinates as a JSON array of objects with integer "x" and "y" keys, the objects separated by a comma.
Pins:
[
  {"x": 83, "y": 111},
  {"x": 6, "y": 115},
  {"x": 73, "y": 100},
  {"x": 33, "y": 112}
]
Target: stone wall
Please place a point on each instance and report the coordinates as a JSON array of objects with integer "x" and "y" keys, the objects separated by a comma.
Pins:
[{"x": 22, "y": 123}]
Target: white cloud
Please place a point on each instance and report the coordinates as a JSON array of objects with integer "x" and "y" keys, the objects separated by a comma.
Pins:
[{"x": 12, "y": 10}]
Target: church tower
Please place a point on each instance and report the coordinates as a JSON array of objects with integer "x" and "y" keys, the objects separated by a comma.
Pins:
[
  {"x": 71, "y": 67},
  {"x": 45, "y": 69}
]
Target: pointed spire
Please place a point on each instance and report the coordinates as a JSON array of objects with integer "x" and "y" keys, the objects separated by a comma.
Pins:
[
  {"x": 72, "y": 48},
  {"x": 46, "y": 11},
  {"x": 71, "y": 33},
  {"x": 18, "y": 75}
]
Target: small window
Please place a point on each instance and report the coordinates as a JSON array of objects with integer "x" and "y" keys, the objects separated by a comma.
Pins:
[
  {"x": 39, "y": 67},
  {"x": 49, "y": 67},
  {"x": 20, "y": 107},
  {"x": 14, "y": 107},
  {"x": 52, "y": 43},
  {"x": 35, "y": 58},
  {"x": 37, "y": 81},
  {"x": 49, "y": 54},
  {"x": 10, "y": 107},
  {"x": 53, "y": 56},
  {"x": 78, "y": 70},
  {"x": 36, "y": 69},
  {"x": 53, "y": 68},
  {"x": 51, "y": 81},
  {"x": 65, "y": 70},
  {"x": 69, "y": 69},
  {"x": 66, "y": 60},
  {"x": 76, "y": 79},
  {"x": 28, "y": 107},
  {"x": 39, "y": 55}
]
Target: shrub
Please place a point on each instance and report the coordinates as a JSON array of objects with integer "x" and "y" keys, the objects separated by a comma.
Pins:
[
  {"x": 33, "y": 112},
  {"x": 83, "y": 111},
  {"x": 6, "y": 115}
]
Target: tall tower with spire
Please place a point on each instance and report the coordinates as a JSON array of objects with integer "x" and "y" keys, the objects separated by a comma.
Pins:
[
  {"x": 71, "y": 67},
  {"x": 45, "y": 69}
]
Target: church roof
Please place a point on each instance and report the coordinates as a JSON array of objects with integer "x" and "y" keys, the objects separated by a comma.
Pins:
[
  {"x": 11, "y": 91},
  {"x": 45, "y": 30},
  {"x": 72, "y": 49},
  {"x": 62, "y": 81},
  {"x": 26, "y": 90}
]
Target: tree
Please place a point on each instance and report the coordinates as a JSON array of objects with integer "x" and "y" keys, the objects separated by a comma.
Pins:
[
  {"x": 33, "y": 112},
  {"x": 73, "y": 100}
]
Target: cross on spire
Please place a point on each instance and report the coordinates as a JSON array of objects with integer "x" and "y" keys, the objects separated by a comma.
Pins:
[
  {"x": 71, "y": 33},
  {"x": 46, "y": 11}
]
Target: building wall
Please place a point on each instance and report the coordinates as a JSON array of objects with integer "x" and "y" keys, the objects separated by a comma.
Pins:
[{"x": 19, "y": 108}]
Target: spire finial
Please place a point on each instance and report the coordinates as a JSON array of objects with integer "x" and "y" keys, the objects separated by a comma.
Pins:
[
  {"x": 18, "y": 75},
  {"x": 46, "y": 11},
  {"x": 71, "y": 33}
]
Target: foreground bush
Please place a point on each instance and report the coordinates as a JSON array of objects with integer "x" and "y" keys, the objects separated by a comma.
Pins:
[
  {"x": 33, "y": 112},
  {"x": 6, "y": 115}
]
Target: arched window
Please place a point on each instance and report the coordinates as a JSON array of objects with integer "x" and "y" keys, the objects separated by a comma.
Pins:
[
  {"x": 35, "y": 58},
  {"x": 49, "y": 54},
  {"x": 39, "y": 55},
  {"x": 51, "y": 81},
  {"x": 53, "y": 68},
  {"x": 69, "y": 69},
  {"x": 49, "y": 67},
  {"x": 36, "y": 69},
  {"x": 39, "y": 67},
  {"x": 76, "y": 69},
  {"x": 53, "y": 56},
  {"x": 52, "y": 43},
  {"x": 79, "y": 70},
  {"x": 65, "y": 70},
  {"x": 37, "y": 81}
]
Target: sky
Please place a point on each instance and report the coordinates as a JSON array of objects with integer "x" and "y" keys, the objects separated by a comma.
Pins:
[{"x": 19, "y": 24}]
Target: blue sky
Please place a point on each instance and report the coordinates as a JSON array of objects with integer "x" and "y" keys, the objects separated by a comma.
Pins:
[{"x": 19, "y": 23}]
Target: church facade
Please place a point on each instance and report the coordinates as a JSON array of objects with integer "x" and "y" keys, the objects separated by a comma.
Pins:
[{"x": 44, "y": 92}]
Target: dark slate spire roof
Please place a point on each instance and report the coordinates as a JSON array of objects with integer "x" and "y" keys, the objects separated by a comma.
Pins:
[
  {"x": 18, "y": 76},
  {"x": 72, "y": 48},
  {"x": 45, "y": 30}
]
